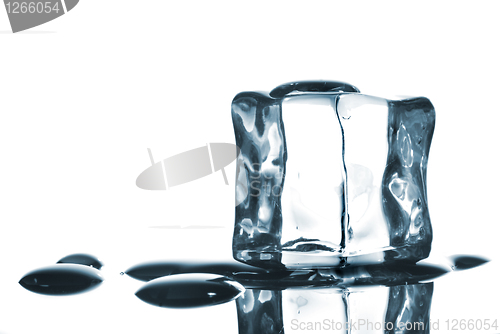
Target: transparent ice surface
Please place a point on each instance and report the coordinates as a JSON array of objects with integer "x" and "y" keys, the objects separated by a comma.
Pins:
[{"x": 330, "y": 177}]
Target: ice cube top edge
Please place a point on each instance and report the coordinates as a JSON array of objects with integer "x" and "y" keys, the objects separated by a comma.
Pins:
[
  {"x": 301, "y": 87},
  {"x": 312, "y": 87}
]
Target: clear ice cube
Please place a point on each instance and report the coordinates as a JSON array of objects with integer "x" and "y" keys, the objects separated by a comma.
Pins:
[{"x": 329, "y": 177}]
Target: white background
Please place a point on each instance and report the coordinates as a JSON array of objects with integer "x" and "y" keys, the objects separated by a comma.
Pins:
[{"x": 83, "y": 97}]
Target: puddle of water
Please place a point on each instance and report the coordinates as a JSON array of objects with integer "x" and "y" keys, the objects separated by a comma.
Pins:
[
  {"x": 151, "y": 270},
  {"x": 385, "y": 274}
]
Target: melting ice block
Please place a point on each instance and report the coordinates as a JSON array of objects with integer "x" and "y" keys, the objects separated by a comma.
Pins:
[{"x": 330, "y": 177}]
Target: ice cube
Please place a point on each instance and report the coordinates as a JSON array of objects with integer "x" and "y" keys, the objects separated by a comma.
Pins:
[{"x": 329, "y": 177}]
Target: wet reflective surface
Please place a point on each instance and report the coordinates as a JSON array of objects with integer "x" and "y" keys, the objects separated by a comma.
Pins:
[
  {"x": 61, "y": 279},
  {"x": 355, "y": 299},
  {"x": 409, "y": 304},
  {"x": 260, "y": 311},
  {"x": 384, "y": 310},
  {"x": 253, "y": 277},
  {"x": 380, "y": 298}
]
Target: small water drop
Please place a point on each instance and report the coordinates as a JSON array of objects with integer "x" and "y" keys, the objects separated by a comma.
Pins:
[
  {"x": 122, "y": 273},
  {"x": 301, "y": 301},
  {"x": 84, "y": 259},
  {"x": 463, "y": 262}
]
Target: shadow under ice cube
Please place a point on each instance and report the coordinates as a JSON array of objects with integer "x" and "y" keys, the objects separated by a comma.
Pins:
[{"x": 329, "y": 177}]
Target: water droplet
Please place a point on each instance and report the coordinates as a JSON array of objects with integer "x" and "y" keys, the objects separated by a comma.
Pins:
[
  {"x": 463, "y": 262},
  {"x": 149, "y": 271},
  {"x": 189, "y": 290},
  {"x": 85, "y": 259},
  {"x": 122, "y": 273},
  {"x": 301, "y": 301},
  {"x": 61, "y": 279}
]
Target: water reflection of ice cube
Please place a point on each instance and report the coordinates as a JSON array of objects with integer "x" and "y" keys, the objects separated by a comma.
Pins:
[{"x": 354, "y": 310}]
